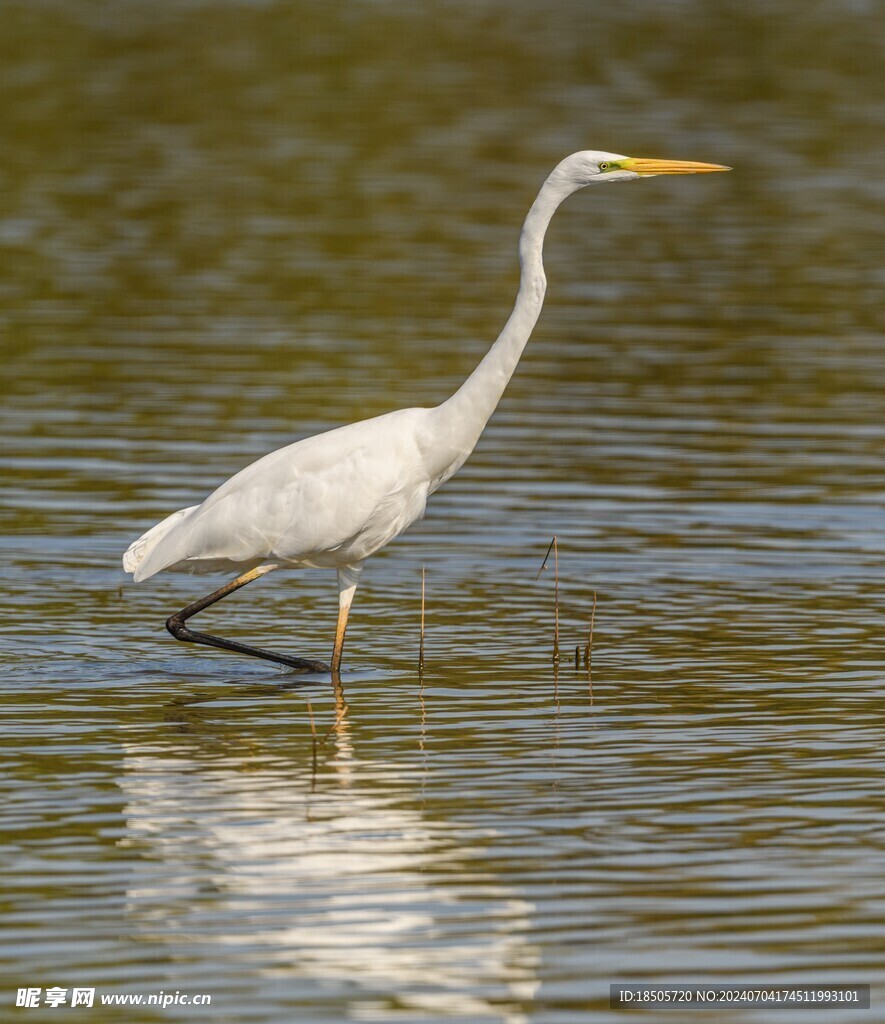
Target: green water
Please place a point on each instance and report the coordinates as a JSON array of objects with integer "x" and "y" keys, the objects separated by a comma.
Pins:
[{"x": 227, "y": 225}]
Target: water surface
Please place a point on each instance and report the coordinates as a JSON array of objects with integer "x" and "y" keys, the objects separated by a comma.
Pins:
[{"x": 228, "y": 225}]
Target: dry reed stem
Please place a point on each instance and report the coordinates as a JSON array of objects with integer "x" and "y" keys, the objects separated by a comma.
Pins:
[
  {"x": 544, "y": 563},
  {"x": 555, "y": 600},
  {"x": 313, "y": 732},
  {"x": 421, "y": 649},
  {"x": 588, "y": 650},
  {"x": 554, "y": 547}
]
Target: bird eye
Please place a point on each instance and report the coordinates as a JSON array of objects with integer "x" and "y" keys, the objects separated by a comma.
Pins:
[{"x": 603, "y": 165}]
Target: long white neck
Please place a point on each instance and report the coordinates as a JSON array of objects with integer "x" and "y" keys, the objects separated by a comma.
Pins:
[{"x": 463, "y": 417}]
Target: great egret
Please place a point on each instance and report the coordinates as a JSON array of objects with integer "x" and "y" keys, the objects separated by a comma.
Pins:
[{"x": 334, "y": 499}]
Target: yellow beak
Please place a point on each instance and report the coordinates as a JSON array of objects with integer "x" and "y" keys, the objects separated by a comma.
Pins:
[{"x": 641, "y": 166}]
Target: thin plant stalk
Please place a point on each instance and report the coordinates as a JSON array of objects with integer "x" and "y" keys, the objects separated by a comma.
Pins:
[
  {"x": 555, "y": 600},
  {"x": 554, "y": 547},
  {"x": 313, "y": 733},
  {"x": 588, "y": 650},
  {"x": 421, "y": 648}
]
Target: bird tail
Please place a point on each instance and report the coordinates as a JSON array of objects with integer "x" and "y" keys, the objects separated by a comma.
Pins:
[{"x": 139, "y": 549}]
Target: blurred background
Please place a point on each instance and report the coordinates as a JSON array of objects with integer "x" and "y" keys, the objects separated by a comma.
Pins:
[{"x": 225, "y": 225}]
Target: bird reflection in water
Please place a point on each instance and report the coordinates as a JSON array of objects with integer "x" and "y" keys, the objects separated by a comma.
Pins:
[{"x": 326, "y": 874}]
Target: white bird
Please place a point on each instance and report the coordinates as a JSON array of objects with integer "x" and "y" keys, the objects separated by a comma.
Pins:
[{"x": 332, "y": 500}]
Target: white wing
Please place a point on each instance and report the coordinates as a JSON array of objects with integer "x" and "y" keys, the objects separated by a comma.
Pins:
[
  {"x": 332, "y": 499},
  {"x": 137, "y": 550}
]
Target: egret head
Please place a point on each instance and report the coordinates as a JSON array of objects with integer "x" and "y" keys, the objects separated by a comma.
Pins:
[{"x": 591, "y": 166}]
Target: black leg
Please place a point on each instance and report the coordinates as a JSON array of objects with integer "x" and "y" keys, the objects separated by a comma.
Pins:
[{"x": 176, "y": 626}]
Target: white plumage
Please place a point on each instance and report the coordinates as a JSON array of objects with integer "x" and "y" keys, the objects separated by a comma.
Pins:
[
  {"x": 332, "y": 500},
  {"x": 328, "y": 501}
]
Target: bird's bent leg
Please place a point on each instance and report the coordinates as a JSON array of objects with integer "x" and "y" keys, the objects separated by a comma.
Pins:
[
  {"x": 176, "y": 626},
  {"x": 347, "y": 581}
]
